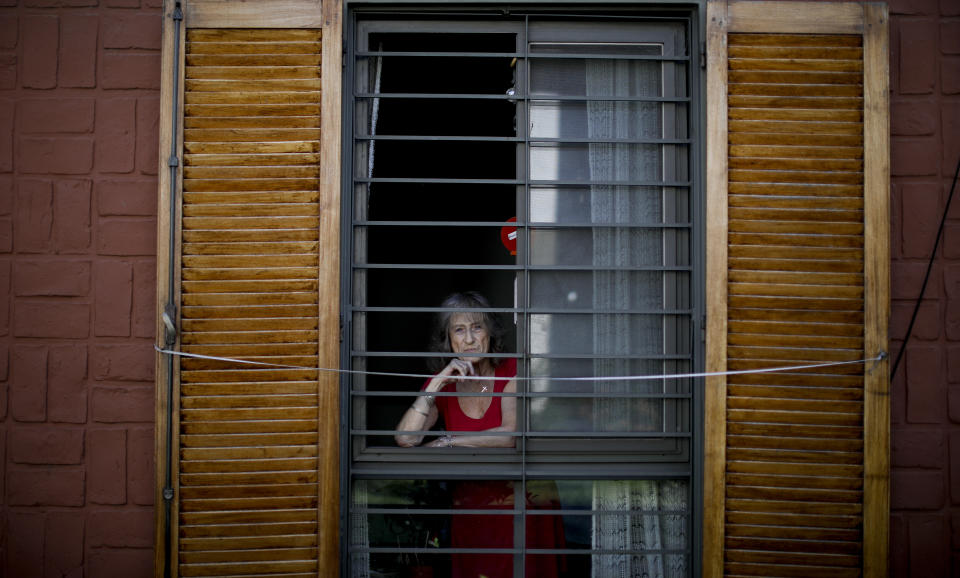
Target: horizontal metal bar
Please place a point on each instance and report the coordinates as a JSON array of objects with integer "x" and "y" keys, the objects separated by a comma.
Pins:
[
  {"x": 435, "y": 432},
  {"x": 445, "y": 310},
  {"x": 437, "y": 511},
  {"x": 527, "y": 434},
  {"x": 375, "y": 53},
  {"x": 532, "y": 55},
  {"x": 581, "y": 356},
  {"x": 437, "y": 95},
  {"x": 532, "y": 140},
  {"x": 672, "y": 141},
  {"x": 423, "y": 180},
  {"x": 534, "y": 183},
  {"x": 428, "y": 138},
  {"x": 672, "y": 184},
  {"x": 388, "y": 463},
  {"x": 531, "y": 310},
  {"x": 527, "y": 394},
  {"x": 593, "y": 56},
  {"x": 538, "y": 551},
  {"x": 537, "y": 225},
  {"x": 534, "y": 97},
  {"x": 528, "y": 511},
  {"x": 461, "y": 267}
]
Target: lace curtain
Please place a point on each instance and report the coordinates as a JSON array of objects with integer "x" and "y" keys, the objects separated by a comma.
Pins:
[
  {"x": 651, "y": 516},
  {"x": 641, "y": 521}
]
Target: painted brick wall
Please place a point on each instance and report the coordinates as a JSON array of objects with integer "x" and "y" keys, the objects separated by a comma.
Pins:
[
  {"x": 79, "y": 93},
  {"x": 79, "y": 108},
  {"x": 925, "y": 126}
]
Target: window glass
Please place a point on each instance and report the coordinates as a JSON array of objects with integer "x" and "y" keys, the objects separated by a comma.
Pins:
[
  {"x": 543, "y": 163},
  {"x": 571, "y": 527}
]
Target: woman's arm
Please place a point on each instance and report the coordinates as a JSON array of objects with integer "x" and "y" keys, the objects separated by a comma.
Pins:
[
  {"x": 508, "y": 414},
  {"x": 422, "y": 413}
]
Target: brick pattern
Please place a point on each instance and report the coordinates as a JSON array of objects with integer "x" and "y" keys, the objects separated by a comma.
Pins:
[
  {"x": 79, "y": 109},
  {"x": 79, "y": 113},
  {"x": 925, "y": 146}
]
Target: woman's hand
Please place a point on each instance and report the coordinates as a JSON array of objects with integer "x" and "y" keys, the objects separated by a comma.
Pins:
[
  {"x": 456, "y": 370},
  {"x": 441, "y": 442}
]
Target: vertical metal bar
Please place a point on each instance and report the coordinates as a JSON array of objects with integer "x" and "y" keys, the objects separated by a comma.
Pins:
[
  {"x": 346, "y": 293},
  {"x": 524, "y": 400},
  {"x": 170, "y": 310}
]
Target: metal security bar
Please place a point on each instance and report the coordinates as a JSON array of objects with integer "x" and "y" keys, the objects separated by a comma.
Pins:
[{"x": 575, "y": 138}]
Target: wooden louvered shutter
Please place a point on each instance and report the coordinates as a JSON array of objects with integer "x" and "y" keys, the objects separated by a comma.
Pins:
[
  {"x": 796, "y": 473},
  {"x": 256, "y": 268}
]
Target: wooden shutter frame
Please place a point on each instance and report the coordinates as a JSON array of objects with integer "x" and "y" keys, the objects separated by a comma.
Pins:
[
  {"x": 871, "y": 21},
  {"x": 326, "y": 15}
]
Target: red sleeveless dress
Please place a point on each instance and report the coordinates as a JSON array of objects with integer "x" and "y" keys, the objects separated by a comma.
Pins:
[{"x": 494, "y": 530}]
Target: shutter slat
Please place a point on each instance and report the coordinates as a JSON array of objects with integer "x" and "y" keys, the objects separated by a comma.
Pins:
[
  {"x": 795, "y": 41},
  {"x": 816, "y": 101},
  {"x": 284, "y": 85},
  {"x": 766, "y": 61},
  {"x": 249, "y": 159},
  {"x": 261, "y": 235},
  {"x": 238, "y": 148},
  {"x": 233, "y": 58},
  {"x": 796, "y": 533},
  {"x": 795, "y": 392},
  {"x": 260, "y": 209},
  {"x": 280, "y": 400},
  {"x": 247, "y": 453},
  {"x": 247, "y": 465},
  {"x": 791, "y": 520},
  {"x": 257, "y": 122},
  {"x": 792, "y": 468},
  {"x": 796, "y": 153},
  {"x": 234, "y": 556},
  {"x": 792, "y": 571},
  {"x": 247, "y": 312},
  {"x": 225, "y": 544},
  {"x": 261, "y": 440}
]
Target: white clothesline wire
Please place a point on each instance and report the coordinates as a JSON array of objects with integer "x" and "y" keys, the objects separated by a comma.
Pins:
[{"x": 879, "y": 357}]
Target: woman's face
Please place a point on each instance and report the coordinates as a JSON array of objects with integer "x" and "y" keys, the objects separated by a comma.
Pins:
[{"x": 468, "y": 334}]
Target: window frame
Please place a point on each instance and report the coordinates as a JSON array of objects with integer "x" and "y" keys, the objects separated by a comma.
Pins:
[{"x": 502, "y": 466}]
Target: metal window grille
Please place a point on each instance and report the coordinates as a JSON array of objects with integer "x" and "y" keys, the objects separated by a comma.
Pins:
[{"x": 578, "y": 135}]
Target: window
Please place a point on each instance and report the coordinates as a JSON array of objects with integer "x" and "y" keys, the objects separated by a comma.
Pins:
[
  {"x": 573, "y": 138},
  {"x": 795, "y": 467}
]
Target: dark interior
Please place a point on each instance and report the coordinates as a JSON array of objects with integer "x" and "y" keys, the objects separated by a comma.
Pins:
[{"x": 449, "y": 205}]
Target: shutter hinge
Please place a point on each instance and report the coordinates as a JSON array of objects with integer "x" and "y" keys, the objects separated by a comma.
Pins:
[
  {"x": 703, "y": 54},
  {"x": 169, "y": 325},
  {"x": 703, "y": 328},
  {"x": 341, "y": 328}
]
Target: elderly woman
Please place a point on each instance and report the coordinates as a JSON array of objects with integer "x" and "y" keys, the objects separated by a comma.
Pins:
[{"x": 469, "y": 334}]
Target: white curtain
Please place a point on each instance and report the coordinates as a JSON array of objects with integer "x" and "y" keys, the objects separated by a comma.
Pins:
[
  {"x": 619, "y": 334},
  {"x": 650, "y": 516},
  {"x": 622, "y": 335},
  {"x": 359, "y": 531}
]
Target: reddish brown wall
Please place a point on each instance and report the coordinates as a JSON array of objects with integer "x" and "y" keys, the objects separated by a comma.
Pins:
[
  {"x": 78, "y": 147},
  {"x": 79, "y": 102},
  {"x": 925, "y": 122}
]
